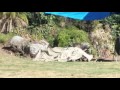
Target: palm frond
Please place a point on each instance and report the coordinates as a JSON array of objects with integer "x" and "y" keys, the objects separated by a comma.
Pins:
[{"x": 23, "y": 17}]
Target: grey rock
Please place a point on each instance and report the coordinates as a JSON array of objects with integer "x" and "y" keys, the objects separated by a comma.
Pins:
[
  {"x": 35, "y": 47},
  {"x": 18, "y": 44}
]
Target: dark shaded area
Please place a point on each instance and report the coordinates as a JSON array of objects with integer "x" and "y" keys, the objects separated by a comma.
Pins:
[
  {"x": 117, "y": 45},
  {"x": 104, "y": 60},
  {"x": 24, "y": 52},
  {"x": 55, "y": 43}
]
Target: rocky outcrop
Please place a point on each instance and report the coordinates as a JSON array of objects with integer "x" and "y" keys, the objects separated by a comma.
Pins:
[
  {"x": 18, "y": 44},
  {"x": 41, "y": 51},
  {"x": 73, "y": 54},
  {"x": 38, "y": 47},
  {"x": 64, "y": 55}
]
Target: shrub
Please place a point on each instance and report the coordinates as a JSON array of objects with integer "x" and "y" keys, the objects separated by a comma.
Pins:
[
  {"x": 93, "y": 51},
  {"x": 72, "y": 35},
  {"x": 5, "y": 37}
]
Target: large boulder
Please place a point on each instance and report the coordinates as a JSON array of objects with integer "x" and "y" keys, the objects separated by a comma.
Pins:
[
  {"x": 41, "y": 46},
  {"x": 73, "y": 54},
  {"x": 34, "y": 49},
  {"x": 18, "y": 44}
]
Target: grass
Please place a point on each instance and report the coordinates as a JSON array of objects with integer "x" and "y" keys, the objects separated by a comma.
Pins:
[{"x": 15, "y": 67}]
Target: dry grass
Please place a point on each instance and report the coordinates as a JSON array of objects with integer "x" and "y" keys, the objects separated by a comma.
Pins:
[{"x": 15, "y": 67}]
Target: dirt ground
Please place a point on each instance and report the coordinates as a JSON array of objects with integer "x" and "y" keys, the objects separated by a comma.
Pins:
[{"x": 3, "y": 51}]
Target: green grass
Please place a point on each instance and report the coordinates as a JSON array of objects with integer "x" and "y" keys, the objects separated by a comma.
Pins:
[{"x": 15, "y": 67}]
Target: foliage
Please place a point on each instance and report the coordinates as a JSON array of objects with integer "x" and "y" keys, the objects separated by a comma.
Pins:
[
  {"x": 39, "y": 18},
  {"x": 71, "y": 35},
  {"x": 115, "y": 31},
  {"x": 94, "y": 52},
  {"x": 114, "y": 22},
  {"x": 5, "y": 37},
  {"x": 44, "y": 32},
  {"x": 58, "y": 31},
  {"x": 42, "y": 26},
  {"x": 113, "y": 19},
  {"x": 11, "y": 20}
]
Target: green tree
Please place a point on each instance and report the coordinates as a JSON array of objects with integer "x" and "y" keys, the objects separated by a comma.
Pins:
[
  {"x": 67, "y": 37},
  {"x": 11, "y": 20},
  {"x": 114, "y": 22}
]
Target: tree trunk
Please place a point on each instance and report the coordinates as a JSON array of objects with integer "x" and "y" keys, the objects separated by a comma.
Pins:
[
  {"x": 10, "y": 26},
  {"x": 3, "y": 27}
]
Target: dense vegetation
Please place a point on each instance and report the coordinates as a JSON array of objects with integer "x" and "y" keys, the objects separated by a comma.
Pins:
[{"x": 58, "y": 31}]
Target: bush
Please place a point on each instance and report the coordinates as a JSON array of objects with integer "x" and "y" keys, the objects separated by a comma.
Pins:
[
  {"x": 5, "y": 37},
  {"x": 44, "y": 32},
  {"x": 71, "y": 35},
  {"x": 94, "y": 52},
  {"x": 50, "y": 39}
]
